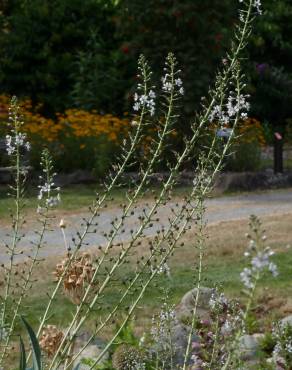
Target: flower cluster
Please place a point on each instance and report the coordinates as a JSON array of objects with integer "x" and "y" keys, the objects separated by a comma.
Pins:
[
  {"x": 168, "y": 85},
  {"x": 50, "y": 340},
  {"x": 256, "y": 4},
  {"x": 128, "y": 357},
  {"x": 218, "y": 301},
  {"x": 259, "y": 257},
  {"x": 18, "y": 140},
  {"x": 161, "y": 269},
  {"x": 146, "y": 101},
  {"x": 210, "y": 346},
  {"x": 161, "y": 330},
  {"x": 236, "y": 105},
  {"x": 78, "y": 274},
  {"x": 282, "y": 353},
  {"x": 48, "y": 191}
]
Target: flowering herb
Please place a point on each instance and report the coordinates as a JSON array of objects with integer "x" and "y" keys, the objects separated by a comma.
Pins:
[{"x": 259, "y": 256}]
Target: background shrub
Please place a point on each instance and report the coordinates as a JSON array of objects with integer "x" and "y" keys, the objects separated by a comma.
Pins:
[{"x": 40, "y": 42}]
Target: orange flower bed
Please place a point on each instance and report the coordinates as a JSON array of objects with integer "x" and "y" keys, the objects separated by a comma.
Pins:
[
  {"x": 250, "y": 131},
  {"x": 73, "y": 123}
]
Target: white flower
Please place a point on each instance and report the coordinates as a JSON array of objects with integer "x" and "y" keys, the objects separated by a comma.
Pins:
[
  {"x": 288, "y": 347},
  {"x": 17, "y": 141},
  {"x": 152, "y": 94},
  {"x": 235, "y": 105},
  {"x": 246, "y": 277},
  {"x": 53, "y": 201},
  {"x": 146, "y": 101},
  {"x": 167, "y": 86},
  {"x": 163, "y": 269},
  {"x": 218, "y": 301},
  {"x": 227, "y": 327},
  {"x": 273, "y": 269},
  {"x": 256, "y": 4},
  {"x": 136, "y": 107}
]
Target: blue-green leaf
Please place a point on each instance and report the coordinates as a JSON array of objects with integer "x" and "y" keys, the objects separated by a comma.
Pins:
[
  {"x": 36, "y": 351},
  {"x": 22, "y": 361}
]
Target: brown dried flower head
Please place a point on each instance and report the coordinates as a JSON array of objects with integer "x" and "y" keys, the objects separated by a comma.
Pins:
[
  {"x": 50, "y": 339},
  {"x": 78, "y": 275}
]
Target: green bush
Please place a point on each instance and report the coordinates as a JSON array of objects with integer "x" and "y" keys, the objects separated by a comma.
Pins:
[
  {"x": 100, "y": 79},
  {"x": 245, "y": 157},
  {"x": 41, "y": 41},
  {"x": 270, "y": 52},
  {"x": 197, "y": 32}
]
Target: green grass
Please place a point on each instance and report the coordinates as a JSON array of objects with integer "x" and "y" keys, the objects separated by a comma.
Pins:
[
  {"x": 221, "y": 270},
  {"x": 222, "y": 265}
]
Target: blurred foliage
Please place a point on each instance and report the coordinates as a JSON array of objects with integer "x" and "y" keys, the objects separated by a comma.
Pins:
[
  {"x": 197, "y": 32},
  {"x": 86, "y": 50},
  {"x": 270, "y": 53},
  {"x": 39, "y": 42},
  {"x": 246, "y": 150},
  {"x": 102, "y": 76},
  {"x": 83, "y": 53}
]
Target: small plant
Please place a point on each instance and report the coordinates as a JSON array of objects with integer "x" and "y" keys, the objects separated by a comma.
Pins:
[{"x": 282, "y": 352}]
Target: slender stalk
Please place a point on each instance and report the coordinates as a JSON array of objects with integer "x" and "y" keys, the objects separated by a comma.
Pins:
[
  {"x": 100, "y": 201},
  {"x": 199, "y": 280},
  {"x": 132, "y": 201},
  {"x": 16, "y": 155}
]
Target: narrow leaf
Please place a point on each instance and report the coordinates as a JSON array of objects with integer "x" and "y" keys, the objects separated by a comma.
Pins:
[
  {"x": 36, "y": 351},
  {"x": 22, "y": 361}
]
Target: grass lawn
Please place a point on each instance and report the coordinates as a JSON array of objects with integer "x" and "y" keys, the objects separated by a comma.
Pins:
[{"x": 223, "y": 263}]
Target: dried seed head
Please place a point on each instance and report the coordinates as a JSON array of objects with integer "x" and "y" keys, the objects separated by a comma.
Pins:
[
  {"x": 78, "y": 274},
  {"x": 50, "y": 339},
  {"x": 62, "y": 224}
]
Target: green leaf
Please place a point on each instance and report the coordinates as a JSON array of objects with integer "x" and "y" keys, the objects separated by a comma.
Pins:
[
  {"x": 36, "y": 351},
  {"x": 22, "y": 361}
]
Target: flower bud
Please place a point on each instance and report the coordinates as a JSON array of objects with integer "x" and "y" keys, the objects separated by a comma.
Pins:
[{"x": 62, "y": 224}]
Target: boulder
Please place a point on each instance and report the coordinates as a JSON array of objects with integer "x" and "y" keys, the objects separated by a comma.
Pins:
[
  {"x": 286, "y": 321},
  {"x": 184, "y": 310},
  {"x": 76, "y": 177},
  {"x": 248, "y": 346}
]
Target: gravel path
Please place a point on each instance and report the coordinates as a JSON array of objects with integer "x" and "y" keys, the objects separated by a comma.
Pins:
[{"x": 225, "y": 208}]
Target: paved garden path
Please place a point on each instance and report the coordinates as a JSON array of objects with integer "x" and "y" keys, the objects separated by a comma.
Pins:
[{"x": 225, "y": 208}]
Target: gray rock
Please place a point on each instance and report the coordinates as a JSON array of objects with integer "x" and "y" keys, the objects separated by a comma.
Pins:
[
  {"x": 184, "y": 310},
  {"x": 179, "y": 341},
  {"x": 278, "y": 363},
  {"x": 286, "y": 321},
  {"x": 76, "y": 177},
  {"x": 249, "y": 346}
]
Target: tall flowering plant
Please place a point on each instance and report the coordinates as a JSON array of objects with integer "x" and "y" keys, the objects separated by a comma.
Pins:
[{"x": 85, "y": 281}]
